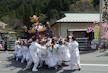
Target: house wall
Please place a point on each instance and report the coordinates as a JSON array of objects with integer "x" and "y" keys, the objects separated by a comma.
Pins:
[
  {"x": 55, "y": 30},
  {"x": 65, "y": 26},
  {"x": 2, "y": 26}
]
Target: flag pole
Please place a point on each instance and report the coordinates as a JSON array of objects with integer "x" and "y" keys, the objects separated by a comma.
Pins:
[{"x": 100, "y": 9}]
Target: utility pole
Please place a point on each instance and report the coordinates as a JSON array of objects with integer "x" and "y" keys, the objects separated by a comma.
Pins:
[{"x": 100, "y": 8}]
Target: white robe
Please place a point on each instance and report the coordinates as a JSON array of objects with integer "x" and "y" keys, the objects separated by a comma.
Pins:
[
  {"x": 33, "y": 51},
  {"x": 28, "y": 54},
  {"x": 25, "y": 50},
  {"x": 66, "y": 54},
  {"x": 60, "y": 54},
  {"x": 93, "y": 42},
  {"x": 74, "y": 52},
  {"x": 50, "y": 58},
  {"x": 55, "y": 53},
  {"x": 42, "y": 54},
  {"x": 20, "y": 52},
  {"x": 16, "y": 50}
]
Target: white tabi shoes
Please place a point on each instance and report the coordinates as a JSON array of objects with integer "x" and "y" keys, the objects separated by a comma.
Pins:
[
  {"x": 16, "y": 59},
  {"x": 70, "y": 69},
  {"x": 34, "y": 69}
]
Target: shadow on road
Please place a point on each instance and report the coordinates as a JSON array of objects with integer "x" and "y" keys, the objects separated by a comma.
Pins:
[
  {"x": 105, "y": 54},
  {"x": 44, "y": 69},
  {"x": 87, "y": 52}
]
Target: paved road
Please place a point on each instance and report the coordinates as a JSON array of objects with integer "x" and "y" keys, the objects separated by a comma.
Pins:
[{"x": 91, "y": 62}]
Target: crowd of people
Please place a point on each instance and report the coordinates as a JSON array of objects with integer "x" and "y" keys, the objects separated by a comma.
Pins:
[{"x": 52, "y": 51}]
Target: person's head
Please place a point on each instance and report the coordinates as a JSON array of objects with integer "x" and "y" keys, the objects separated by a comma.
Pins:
[
  {"x": 70, "y": 40},
  {"x": 71, "y": 34},
  {"x": 52, "y": 36},
  {"x": 73, "y": 38},
  {"x": 53, "y": 41},
  {"x": 18, "y": 43},
  {"x": 21, "y": 43},
  {"x": 24, "y": 44},
  {"x": 47, "y": 41},
  {"x": 17, "y": 38},
  {"x": 35, "y": 39},
  {"x": 60, "y": 42},
  {"x": 43, "y": 42}
]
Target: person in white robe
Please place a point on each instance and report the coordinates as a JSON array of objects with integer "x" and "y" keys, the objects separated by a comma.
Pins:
[
  {"x": 25, "y": 50},
  {"x": 65, "y": 54},
  {"x": 60, "y": 53},
  {"x": 18, "y": 40},
  {"x": 42, "y": 54},
  {"x": 71, "y": 35},
  {"x": 28, "y": 55},
  {"x": 52, "y": 58},
  {"x": 74, "y": 52},
  {"x": 20, "y": 51},
  {"x": 16, "y": 50},
  {"x": 33, "y": 54},
  {"x": 93, "y": 42},
  {"x": 55, "y": 53}
]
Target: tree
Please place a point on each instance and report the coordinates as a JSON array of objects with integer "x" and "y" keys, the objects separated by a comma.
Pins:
[
  {"x": 53, "y": 13},
  {"x": 56, "y": 4},
  {"x": 13, "y": 23},
  {"x": 95, "y": 2},
  {"x": 66, "y": 4},
  {"x": 83, "y": 6},
  {"x": 21, "y": 11},
  {"x": 31, "y": 11},
  {"x": 42, "y": 18}
]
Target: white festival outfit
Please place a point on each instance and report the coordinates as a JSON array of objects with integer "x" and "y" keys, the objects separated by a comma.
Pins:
[
  {"x": 74, "y": 52},
  {"x": 25, "y": 50},
  {"x": 55, "y": 54},
  {"x": 20, "y": 52},
  {"x": 66, "y": 54},
  {"x": 42, "y": 54},
  {"x": 60, "y": 54},
  {"x": 93, "y": 42},
  {"x": 33, "y": 55},
  {"x": 28, "y": 55},
  {"x": 52, "y": 58},
  {"x": 16, "y": 50}
]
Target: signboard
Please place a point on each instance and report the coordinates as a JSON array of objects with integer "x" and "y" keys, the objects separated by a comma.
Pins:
[{"x": 96, "y": 33}]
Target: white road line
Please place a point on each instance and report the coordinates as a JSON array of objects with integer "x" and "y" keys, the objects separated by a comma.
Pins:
[
  {"x": 95, "y": 64},
  {"x": 0, "y": 61}
]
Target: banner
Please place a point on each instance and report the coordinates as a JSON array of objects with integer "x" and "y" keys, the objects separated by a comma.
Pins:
[{"x": 96, "y": 33}]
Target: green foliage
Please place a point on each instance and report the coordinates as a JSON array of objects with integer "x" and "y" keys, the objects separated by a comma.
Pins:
[
  {"x": 47, "y": 10},
  {"x": 12, "y": 36},
  {"x": 95, "y": 2},
  {"x": 83, "y": 6},
  {"x": 42, "y": 18}
]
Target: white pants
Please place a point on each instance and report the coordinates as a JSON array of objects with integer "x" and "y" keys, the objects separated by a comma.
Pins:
[{"x": 30, "y": 62}]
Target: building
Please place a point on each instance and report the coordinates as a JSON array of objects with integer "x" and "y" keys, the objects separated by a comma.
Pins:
[
  {"x": 76, "y": 23},
  {"x": 3, "y": 29}
]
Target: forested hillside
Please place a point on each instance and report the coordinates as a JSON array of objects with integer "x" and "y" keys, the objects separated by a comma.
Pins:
[{"x": 16, "y": 13}]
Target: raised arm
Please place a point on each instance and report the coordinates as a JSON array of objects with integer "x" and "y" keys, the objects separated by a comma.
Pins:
[
  {"x": 71, "y": 47},
  {"x": 40, "y": 47}
]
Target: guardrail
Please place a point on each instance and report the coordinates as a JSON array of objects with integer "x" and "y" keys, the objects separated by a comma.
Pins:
[
  {"x": 10, "y": 44},
  {"x": 83, "y": 43}
]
